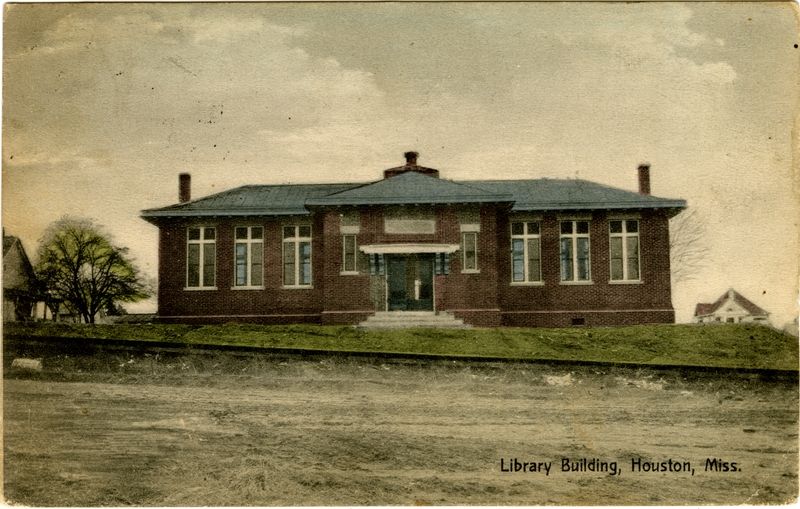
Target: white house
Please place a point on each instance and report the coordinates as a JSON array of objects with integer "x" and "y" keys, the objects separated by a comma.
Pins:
[{"x": 730, "y": 307}]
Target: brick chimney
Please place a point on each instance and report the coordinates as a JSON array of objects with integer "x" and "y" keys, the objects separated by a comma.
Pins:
[
  {"x": 644, "y": 178},
  {"x": 184, "y": 187},
  {"x": 411, "y": 165}
]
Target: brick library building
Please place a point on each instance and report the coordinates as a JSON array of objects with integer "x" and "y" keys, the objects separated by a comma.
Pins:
[{"x": 535, "y": 252}]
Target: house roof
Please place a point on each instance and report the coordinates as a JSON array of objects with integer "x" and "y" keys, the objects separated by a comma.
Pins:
[
  {"x": 703, "y": 309},
  {"x": 574, "y": 194},
  {"x": 253, "y": 200},
  {"x": 8, "y": 243},
  {"x": 17, "y": 270},
  {"x": 409, "y": 188},
  {"x": 413, "y": 187}
]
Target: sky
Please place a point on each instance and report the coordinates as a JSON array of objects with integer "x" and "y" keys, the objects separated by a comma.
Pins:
[{"x": 105, "y": 104}]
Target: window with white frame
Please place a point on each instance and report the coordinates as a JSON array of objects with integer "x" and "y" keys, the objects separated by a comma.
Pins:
[
  {"x": 297, "y": 255},
  {"x": 624, "y": 250},
  {"x": 469, "y": 252},
  {"x": 526, "y": 262},
  {"x": 201, "y": 257},
  {"x": 575, "y": 261},
  {"x": 349, "y": 254},
  {"x": 248, "y": 256}
]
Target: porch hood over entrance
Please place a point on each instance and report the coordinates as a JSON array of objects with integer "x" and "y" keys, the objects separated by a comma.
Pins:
[{"x": 415, "y": 248}]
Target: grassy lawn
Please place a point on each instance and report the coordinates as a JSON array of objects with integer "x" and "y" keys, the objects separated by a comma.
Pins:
[{"x": 742, "y": 346}]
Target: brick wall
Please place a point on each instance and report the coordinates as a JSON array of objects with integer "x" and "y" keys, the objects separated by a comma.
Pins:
[
  {"x": 649, "y": 301},
  {"x": 268, "y": 305},
  {"x": 485, "y": 298},
  {"x": 472, "y": 296},
  {"x": 346, "y": 297}
]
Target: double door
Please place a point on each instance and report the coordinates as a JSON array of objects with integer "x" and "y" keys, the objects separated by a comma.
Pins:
[{"x": 410, "y": 282}]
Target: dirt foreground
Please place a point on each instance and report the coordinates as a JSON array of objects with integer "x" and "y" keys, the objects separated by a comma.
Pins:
[{"x": 278, "y": 431}]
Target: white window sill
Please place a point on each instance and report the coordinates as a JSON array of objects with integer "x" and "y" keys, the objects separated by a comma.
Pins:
[
  {"x": 247, "y": 288},
  {"x": 527, "y": 283},
  {"x": 297, "y": 287},
  {"x": 626, "y": 282},
  {"x": 349, "y": 273},
  {"x": 199, "y": 288},
  {"x": 576, "y": 283},
  {"x": 471, "y": 271}
]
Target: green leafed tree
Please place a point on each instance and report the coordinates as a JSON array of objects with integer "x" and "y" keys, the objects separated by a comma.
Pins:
[{"x": 79, "y": 265}]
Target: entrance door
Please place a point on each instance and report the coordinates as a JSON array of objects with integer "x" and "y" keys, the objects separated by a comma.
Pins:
[
  {"x": 410, "y": 282},
  {"x": 396, "y": 275},
  {"x": 422, "y": 283}
]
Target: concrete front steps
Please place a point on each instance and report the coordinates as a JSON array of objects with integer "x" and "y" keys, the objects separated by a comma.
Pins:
[{"x": 408, "y": 319}]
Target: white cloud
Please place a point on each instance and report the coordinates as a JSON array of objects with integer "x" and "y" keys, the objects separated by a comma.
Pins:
[
  {"x": 223, "y": 30},
  {"x": 641, "y": 40}
]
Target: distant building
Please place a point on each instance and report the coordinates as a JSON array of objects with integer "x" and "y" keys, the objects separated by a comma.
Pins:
[
  {"x": 19, "y": 282},
  {"x": 731, "y": 307},
  {"x": 791, "y": 328},
  {"x": 530, "y": 252}
]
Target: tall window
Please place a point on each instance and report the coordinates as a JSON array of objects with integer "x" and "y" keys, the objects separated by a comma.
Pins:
[
  {"x": 349, "y": 254},
  {"x": 575, "y": 263},
  {"x": 526, "y": 263},
  {"x": 201, "y": 257},
  {"x": 249, "y": 256},
  {"x": 297, "y": 255},
  {"x": 469, "y": 250},
  {"x": 624, "y": 247}
]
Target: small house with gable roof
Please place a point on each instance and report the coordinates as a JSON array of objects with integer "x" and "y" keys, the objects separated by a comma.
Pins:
[
  {"x": 19, "y": 281},
  {"x": 532, "y": 252},
  {"x": 730, "y": 307}
]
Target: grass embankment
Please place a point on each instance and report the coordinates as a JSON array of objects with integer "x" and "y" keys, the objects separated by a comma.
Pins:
[{"x": 728, "y": 346}]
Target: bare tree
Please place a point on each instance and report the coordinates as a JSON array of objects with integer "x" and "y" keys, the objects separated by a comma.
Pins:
[
  {"x": 687, "y": 249},
  {"x": 79, "y": 265}
]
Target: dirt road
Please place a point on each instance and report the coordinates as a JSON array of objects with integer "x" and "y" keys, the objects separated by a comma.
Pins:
[{"x": 294, "y": 432}]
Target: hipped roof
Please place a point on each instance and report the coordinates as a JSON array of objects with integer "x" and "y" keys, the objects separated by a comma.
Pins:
[
  {"x": 411, "y": 188},
  {"x": 252, "y": 200},
  {"x": 416, "y": 188}
]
